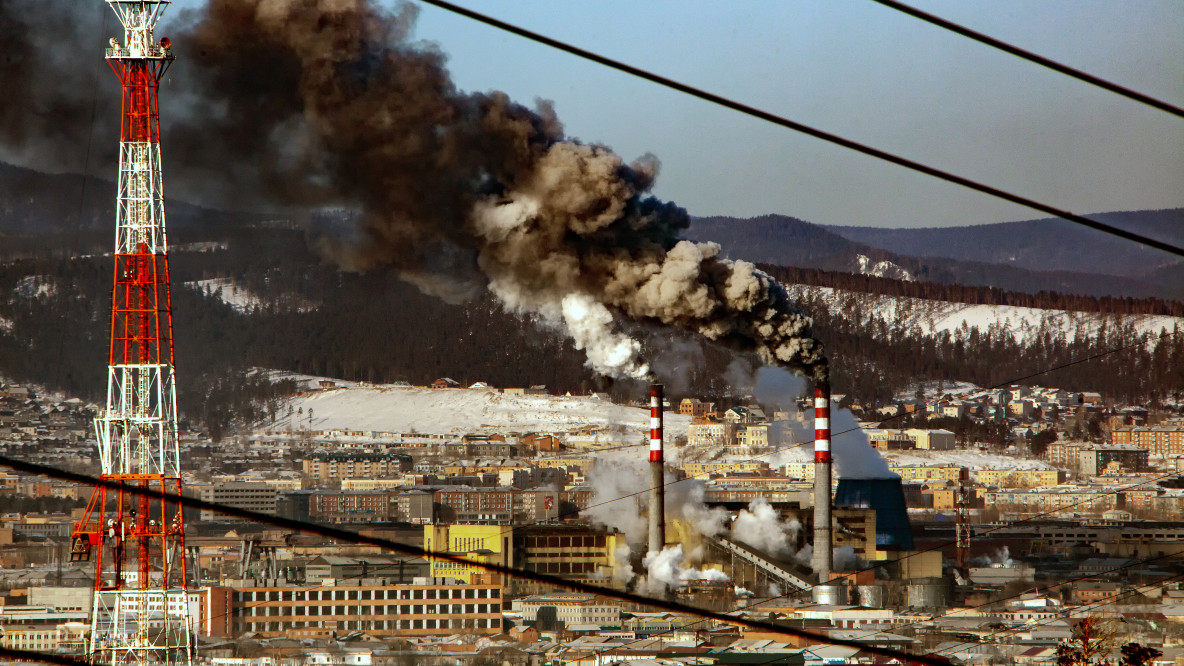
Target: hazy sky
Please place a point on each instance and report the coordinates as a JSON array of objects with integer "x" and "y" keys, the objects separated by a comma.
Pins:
[{"x": 865, "y": 72}]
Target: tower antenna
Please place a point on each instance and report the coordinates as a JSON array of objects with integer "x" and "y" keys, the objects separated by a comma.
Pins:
[{"x": 141, "y": 611}]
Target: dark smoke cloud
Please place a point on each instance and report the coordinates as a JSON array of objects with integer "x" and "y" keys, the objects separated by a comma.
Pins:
[
  {"x": 317, "y": 102},
  {"x": 50, "y": 63}
]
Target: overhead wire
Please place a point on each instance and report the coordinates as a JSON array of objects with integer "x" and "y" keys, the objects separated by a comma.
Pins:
[
  {"x": 806, "y": 129},
  {"x": 5, "y": 461},
  {"x": 1033, "y": 57},
  {"x": 504, "y": 570},
  {"x": 559, "y": 582},
  {"x": 511, "y": 528}
]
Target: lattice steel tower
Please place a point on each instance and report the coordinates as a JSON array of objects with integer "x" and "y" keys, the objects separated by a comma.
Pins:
[{"x": 141, "y": 610}]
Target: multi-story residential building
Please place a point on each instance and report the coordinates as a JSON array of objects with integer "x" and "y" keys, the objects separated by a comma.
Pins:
[
  {"x": 1073, "y": 499},
  {"x": 350, "y": 507},
  {"x": 321, "y": 467},
  {"x": 258, "y": 497},
  {"x": 695, "y": 407},
  {"x": 799, "y": 470},
  {"x": 1018, "y": 478},
  {"x": 947, "y": 472},
  {"x": 427, "y": 607},
  {"x": 570, "y": 608},
  {"x": 1159, "y": 441},
  {"x": 711, "y": 434},
  {"x": 750, "y": 439},
  {"x": 500, "y": 506},
  {"x": 704, "y": 469},
  {"x": 1097, "y": 459}
]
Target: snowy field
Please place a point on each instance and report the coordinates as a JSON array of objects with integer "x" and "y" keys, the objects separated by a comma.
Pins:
[
  {"x": 969, "y": 459},
  {"x": 1024, "y": 323},
  {"x": 412, "y": 409}
]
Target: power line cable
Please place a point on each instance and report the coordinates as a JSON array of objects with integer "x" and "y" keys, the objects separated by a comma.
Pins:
[
  {"x": 808, "y": 130},
  {"x": 939, "y": 400},
  {"x": 562, "y": 582},
  {"x": 387, "y": 544},
  {"x": 1032, "y": 57},
  {"x": 897, "y": 627}
]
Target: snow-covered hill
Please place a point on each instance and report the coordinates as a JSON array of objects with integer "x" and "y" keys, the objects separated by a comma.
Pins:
[
  {"x": 1025, "y": 324},
  {"x": 412, "y": 409}
]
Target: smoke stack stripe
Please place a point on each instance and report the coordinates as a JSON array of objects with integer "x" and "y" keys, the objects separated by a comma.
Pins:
[
  {"x": 656, "y": 423},
  {"x": 821, "y": 424},
  {"x": 823, "y": 560},
  {"x": 657, "y": 524}
]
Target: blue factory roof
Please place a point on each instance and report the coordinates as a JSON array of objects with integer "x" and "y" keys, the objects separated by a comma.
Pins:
[{"x": 887, "y": 498}]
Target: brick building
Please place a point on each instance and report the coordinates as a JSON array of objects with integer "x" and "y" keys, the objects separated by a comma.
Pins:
[{"x": 1159, "y": 441}]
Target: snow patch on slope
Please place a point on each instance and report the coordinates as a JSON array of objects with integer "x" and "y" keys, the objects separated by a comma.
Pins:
[
  {"x": 1023, "y": 323},
  {"x": 35, "y": 286},
  {"x": 241, "y": 299},
  {"x": 884, "y": 269},
  {"x": 412, "y": 409}
]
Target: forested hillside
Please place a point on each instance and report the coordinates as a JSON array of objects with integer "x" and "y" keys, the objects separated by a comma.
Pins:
[{"x": 374, "y": 327}]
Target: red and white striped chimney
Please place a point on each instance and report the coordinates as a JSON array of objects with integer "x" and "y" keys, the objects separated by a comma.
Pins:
[
  {"x": 823, "y": 559},
  {"x": 657, "y": 532},
  {"x": 821, "y": 424},
  {"x": 655, "y": 423}
]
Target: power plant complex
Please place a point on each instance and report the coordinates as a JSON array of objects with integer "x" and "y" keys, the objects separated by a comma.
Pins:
[{"x": 141, "y": 609}]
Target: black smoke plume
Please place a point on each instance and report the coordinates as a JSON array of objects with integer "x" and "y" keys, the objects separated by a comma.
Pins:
[{"x": 315, "y": 102}]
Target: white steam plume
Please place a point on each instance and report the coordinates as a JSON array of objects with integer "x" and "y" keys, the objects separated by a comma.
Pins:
[{"x": 665, "y": 570}]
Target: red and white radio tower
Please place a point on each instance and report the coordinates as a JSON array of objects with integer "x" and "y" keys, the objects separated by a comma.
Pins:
[{"x": 141, "y": 611}]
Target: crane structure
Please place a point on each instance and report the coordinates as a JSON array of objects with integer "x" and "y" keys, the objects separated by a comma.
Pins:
[{"x": 142, "y": 613}]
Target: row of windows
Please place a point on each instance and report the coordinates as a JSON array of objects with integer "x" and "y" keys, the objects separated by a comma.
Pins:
[
  {"x": 594, "y": 541},
  {"x": 410, "y": 609},
  {"x": 562, "y": 567},
  {"x": 380, "y": 625},
  {"x": 354, "y": 595}
]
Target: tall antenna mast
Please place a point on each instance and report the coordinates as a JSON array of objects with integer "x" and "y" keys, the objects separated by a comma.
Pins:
[{"x": 141, "y": 611}]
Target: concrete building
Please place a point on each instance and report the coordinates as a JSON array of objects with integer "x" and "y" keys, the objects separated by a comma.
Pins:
[
  {"x": 427, "y": 607},
  {"x": 258, "y": 497},
  {"x": 322, "y": 467},
  {"x": 932, "y": 440},
  {"x": 487, "y": 544},
  {"x": 1158, "y": 441},
  {"x": 711, "y": 434},
  {"x": 1096, "y": 459},
  {"x": 569, "y": 608},
  {"x": 695, "y": 407}
]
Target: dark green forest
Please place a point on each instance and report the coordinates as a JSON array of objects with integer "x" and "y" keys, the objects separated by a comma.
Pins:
[{"x": 318, "y": 320}]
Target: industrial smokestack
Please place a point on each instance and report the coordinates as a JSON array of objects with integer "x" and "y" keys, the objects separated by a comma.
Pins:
[
  {"x": 657, "y": 484},
  {"x": 823, "y": 560}
]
